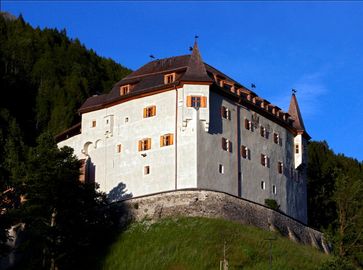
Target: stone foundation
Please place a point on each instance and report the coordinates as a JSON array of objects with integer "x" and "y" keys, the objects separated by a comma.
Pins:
[{"x": 213, "y": 204}]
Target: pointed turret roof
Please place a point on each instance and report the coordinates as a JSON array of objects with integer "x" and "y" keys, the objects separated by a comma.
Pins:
[
  {"x": 196, "y": 71},
  {"x": 294, "y": 111}
]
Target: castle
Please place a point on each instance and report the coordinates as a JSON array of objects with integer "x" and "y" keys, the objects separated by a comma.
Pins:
[{"x": 179, "y": 123}]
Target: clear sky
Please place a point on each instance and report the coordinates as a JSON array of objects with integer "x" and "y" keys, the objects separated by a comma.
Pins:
[{"x": 313, "y": 47}]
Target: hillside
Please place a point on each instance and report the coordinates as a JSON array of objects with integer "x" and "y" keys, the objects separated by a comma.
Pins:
[
  {"x": 197, "y": 243},
  {"x": 45, "y": 76}
]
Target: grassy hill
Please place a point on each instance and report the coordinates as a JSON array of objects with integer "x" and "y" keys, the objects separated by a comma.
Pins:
[{"x": 197, "y": 243}]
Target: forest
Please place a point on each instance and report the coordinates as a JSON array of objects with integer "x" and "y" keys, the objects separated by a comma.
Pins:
[{"x": 45, "y": 77}]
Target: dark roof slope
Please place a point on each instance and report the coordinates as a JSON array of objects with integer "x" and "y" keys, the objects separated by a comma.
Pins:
[{"x": 294, "y": 112}]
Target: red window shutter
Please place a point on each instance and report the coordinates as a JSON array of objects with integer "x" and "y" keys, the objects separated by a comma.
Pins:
[
  {"x": 203, "y": 102},
  {"x": 189, "y": 101}
]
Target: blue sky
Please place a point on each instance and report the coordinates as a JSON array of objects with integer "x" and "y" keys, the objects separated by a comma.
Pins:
[{"x": 314, "y": 47}]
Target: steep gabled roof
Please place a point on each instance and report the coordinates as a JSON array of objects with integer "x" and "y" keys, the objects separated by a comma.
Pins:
[
  {"x": 196, "y": 71},
  {"x": 294, "y": 112}
]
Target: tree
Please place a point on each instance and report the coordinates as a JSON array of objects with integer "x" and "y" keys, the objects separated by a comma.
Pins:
[
  {"x": 348, "y": 197},
  {"x": 63, "y": 216}
]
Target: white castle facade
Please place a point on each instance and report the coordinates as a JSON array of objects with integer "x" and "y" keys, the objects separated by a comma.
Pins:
[{"x": 179, "y": 123}]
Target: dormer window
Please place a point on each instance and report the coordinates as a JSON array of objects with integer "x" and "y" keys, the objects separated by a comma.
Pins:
[
  {"x": 124, "y": 89},
  {"x": 169, "y": 78}
]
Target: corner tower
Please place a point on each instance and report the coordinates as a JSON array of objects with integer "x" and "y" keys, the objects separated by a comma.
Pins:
[{"x": 301, "y": 137}]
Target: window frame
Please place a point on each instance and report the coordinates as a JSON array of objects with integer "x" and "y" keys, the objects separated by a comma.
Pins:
[
  {"x": 124, "y": 89},
  {"x": 166, "y": 139},
  {"x": 168, "y": 76},
  {"x": 149, "y": 111},
  {"x": 144, "y": 144}
]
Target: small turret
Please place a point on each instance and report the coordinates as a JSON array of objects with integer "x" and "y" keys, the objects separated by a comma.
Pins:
[
  {"x": 196, "y": 71},
  {"x": 301, "y": 137}
]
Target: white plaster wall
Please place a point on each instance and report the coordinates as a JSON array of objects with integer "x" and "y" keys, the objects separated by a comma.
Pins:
[
  {"x": 112, "y": 167},
  {"x": 189, "y": 121},
  {"x": 253, "y": 173},
  {"x": 210, "y": 152}
]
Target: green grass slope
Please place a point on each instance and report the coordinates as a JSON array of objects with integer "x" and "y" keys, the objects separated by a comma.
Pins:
[{"x": 197, "y": 243}]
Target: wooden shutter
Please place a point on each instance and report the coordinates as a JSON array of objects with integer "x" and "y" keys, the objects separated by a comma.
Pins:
[
  {"x": 161, "y": 141},
  {"x": 140, "y": 145},
  {"x": 247, "y": 124},
  {"x": 153, "y": 110},
  {"x": 262, "y": 159},
  {"x": 230, "y": 146},
  {"x": 189, "y": 101},
  {"x": 203, "y": 102},
  {"x": 171, "y": 139},
  {"x": 145, "y": 112},
  {"x": 148, "y": 143}
]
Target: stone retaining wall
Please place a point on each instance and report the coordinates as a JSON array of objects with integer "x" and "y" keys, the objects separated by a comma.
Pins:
[{"x": 213, "y": 204}]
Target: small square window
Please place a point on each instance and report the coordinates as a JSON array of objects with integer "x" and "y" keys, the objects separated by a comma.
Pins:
[
  {"x": 280, "y": 167},
  {"x": 126, "y": 119},
  {"x": 264, "y": 160},
  {"x": 149, "y": 111},
  {"x": 226, "y": 113},
  {"x": 124, "y": 89},
  {"x": 245, "y": 152},
  {"x": 94, "y": 123},
  {"x": 263, "y": 185},
  {"x": 226, "y": 145},
  {"x": 169, "y": 78},
  {"x": 167, "y": 139},
  {"x": 277, "y": 139},
  {"x": 146, "y": 170},
  {"x": 248, "y": 125},
  {"x": 145, "y": 144},
  {"x": 221, "y": 169},
  {"x": 119, "y": 148},
  {"x": 263, "y": 132},
  {"x": 297, "y": 149}
]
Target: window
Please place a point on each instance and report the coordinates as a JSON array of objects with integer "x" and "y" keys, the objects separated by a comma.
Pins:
[
  {"x": 277, "y": 138},
  {"x": 226, "y": 145},
  {"x": 145, "y": 144},
  {"x": 263, "y": 132},
  {"x": 221, "y": 169},
  {"x": 248, "y": 124},
  {"x": 245, "y": 152},
  {"x": 196, "y": 101},
  {"x": 263, "y": 185},
  {"x": 226, "y": 113},
  {"x": 280, "y": 167},
  {"x": 264, "y": 160},
  {"x": 297, "y": 149},
  {"x": 274, "y": 191},
  {"x": 146, "y": 170},
  {"x": 167, "y": 139},
  {"x": 124, "y": 89},
  {"x": 169, "y": 78},
  {"x": 126, "y": 119},
  {"x": 94, "y": 123},
  {"x": 119, "y": 148},
  {"x": 149, "y": 111}
]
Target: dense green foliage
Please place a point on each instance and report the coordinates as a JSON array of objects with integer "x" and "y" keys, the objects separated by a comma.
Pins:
[
  {"x": 335, "y": 200},
  {"x": 45, "y": 77},
  {"x": 198, "y": 243}
]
